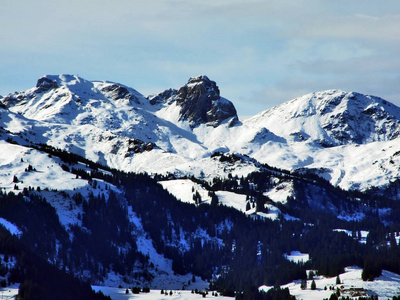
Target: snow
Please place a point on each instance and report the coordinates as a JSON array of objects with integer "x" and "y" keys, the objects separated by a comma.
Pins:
[
  {"x": 358, "y": 216},
  {"x": 99, "y": 127},
  {"x": 119, "y": 294},
  {"x": 13, "y": 229},
  {"x": 15, "y": 159},
  {"x": 57, "y": 185},
  {"x": 83, "y": 117},
  {"x": 237, "y": 201},
  {"x": 184, "y": 189},
  {"x": 281, "y": 192},
  {"x": 297, "y": 257},
  {"x": 9, "y": 292},
  {"x": 385, "y": 286},
  {"x": 350, "y": 165},
  {"x": 273, "y": 213},
  {"x": 363, "y": 234}
]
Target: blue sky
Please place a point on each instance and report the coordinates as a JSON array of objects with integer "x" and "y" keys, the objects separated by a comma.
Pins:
[{"x": 260, "y": 53}]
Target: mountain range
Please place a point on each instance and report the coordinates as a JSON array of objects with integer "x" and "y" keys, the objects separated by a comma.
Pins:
[
  {"x": 349, "y": 139},
  {"x": 98, "y": 152}
]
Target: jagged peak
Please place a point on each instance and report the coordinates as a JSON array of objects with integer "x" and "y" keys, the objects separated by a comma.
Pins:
[
  {"x": 44, "y": 84},
  {"x": 163, "y": 97},
  {"x": 116, "y": 91},
  {"x": 208, "y": 86},
  {"x": 201, "y": 103},
  {"x": 199, "y": 79}
]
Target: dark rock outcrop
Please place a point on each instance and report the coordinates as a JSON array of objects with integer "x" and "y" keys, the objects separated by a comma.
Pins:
[
  {"x": 45, "y": 84},
  {"x": 201, "y": 103},
  {"x": 116, "y": 92},
  {"x": 163, "y": 97}
]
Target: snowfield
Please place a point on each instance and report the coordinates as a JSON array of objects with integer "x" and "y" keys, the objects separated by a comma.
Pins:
[
  {"x": 9, "y": 292},
  {"x": 363, "y": 235},
  {"x": 385, "y": 287},
  {"x": 10, "y": 227},
  {"x": 120, "y": 294},
  {"x": 297, "y": 257},
  {"x": 184, "y": 189}
]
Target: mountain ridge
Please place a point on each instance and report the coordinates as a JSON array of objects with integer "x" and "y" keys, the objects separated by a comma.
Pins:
[
  {"x": 340, "y": 115},
  {"x": 126, "y": 190},
  {"x": 177, "y": 130}
]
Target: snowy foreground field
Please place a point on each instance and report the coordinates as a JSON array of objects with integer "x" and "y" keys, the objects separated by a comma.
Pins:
[
  {"x": 119, "y": 294},
  {"x": 9, "y": 292},
  {"x": 386, "y": 286}
]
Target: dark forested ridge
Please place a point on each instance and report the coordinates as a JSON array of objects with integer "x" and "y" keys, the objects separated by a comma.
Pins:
[{"x": 235, "y": 252}]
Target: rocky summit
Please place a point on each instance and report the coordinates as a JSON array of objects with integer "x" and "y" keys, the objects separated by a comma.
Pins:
[{"x": 200, "y": 103}]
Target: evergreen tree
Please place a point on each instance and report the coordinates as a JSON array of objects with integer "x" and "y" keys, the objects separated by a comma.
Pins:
[
  {"x": 214, "y": 199},
  {"x": 372, "y": 268},
  {"x": 333, "y": 297},
  {"x": 338, "y": 280},
  {"x": 311, "y": 275},
  {"x": 303, "y": 284},
  {"x": 313, "y": 285}
]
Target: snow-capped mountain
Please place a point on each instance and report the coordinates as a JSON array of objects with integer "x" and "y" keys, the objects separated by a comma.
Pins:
[
  {"x": 333, "y": 118},
  {"x": 75, "y": 151},
  {"x": 348, "y": 138},
  {"x": 116, "y": 126}
]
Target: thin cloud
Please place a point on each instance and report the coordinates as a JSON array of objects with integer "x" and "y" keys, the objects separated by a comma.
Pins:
[{"x": 259, "y": 52}]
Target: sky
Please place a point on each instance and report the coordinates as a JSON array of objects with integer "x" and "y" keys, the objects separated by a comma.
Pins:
[{"x": 260, "y": 53}]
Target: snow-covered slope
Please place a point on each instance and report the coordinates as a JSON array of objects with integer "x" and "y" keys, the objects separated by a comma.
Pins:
[
  {"x": 333, "y": 118},
  {"x": 385, "y": 286},
  {"x": 26, "y": 169},
  {"x": 348, "y": 138}
]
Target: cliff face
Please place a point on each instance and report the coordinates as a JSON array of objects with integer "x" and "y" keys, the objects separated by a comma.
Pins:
[{"x": 201, "y": 103}]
